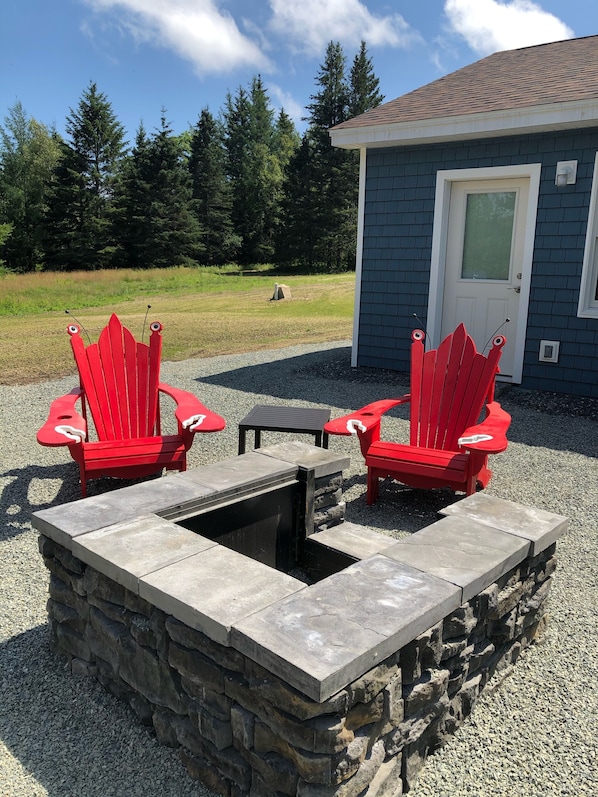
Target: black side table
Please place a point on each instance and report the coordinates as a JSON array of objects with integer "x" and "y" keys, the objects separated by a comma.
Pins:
[{"x": 271, "y": 418}]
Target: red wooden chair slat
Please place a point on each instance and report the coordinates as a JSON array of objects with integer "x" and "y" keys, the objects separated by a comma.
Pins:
[
  {"x": 109, "y": 343},
  {"x": 88, "y": 363},
  {"x": 155, "y": 355},
  {"x": 143, "y": 396},
  {"x": 136, "y": 414},
  {"x": 120, "y": 384},
  {"x": 449, "y": 443},
  {"x": 417, "y": 371},
  {"x": 438, "y": 393}
]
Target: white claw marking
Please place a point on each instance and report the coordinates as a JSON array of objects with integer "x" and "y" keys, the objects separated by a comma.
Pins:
[
  {"x": 474, "y": 438},
  {"x": 193, "y": 422},
  {"x": 354, "y": 425},
  {"x": 71, "y": 432}
]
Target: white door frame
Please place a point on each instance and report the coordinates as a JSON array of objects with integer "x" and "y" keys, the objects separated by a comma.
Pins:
[{"x": 444, "y": 180}]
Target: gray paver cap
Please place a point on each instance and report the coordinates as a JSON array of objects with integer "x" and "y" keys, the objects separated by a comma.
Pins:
[{"x": 324, "y": 637}]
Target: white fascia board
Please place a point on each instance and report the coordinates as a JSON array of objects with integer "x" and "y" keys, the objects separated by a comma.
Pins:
[{"x": 514, "y": 121}]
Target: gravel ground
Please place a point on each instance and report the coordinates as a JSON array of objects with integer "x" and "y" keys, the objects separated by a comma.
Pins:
[{"x": 536, "y": 734}]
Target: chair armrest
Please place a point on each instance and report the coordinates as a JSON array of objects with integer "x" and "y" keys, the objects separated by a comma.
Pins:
[
  {"x": 65, "y": 426},
  {"x": 489, "y": 436},
  {"x": 191, "y": 414},
  {"x": 365, "y": 423},
  {"x": 365, "y": 419}
]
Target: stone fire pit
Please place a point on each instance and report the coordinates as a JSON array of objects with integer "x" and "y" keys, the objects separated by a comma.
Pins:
[{"x": 279, "y": 648}]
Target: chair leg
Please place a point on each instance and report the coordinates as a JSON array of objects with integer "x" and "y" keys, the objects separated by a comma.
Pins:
[
  {"x": 372, "y": 490},
  {"x": 83, "y": 481}
]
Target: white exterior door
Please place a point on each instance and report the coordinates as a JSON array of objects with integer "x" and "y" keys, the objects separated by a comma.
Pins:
[{"x": 485, "y": 245}]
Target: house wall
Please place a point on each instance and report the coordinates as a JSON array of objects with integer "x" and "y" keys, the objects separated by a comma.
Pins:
[{"x": 398, "y": 222}]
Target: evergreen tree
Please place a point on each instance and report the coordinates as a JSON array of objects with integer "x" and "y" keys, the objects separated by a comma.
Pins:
[
  {"x": 286, "y": 139},
  {"x": 264, "y": 180},
  {"x": 175, "y": 231},
  {"x": 333, "y": 173},
  {"x": 364, "y": 86},
  {"x": 79, "y": 218},
  {"x": 133, "y": 206},
  {"x": 258, "y": 150},
  {"x": 211, "y": 190},
  {"x": 329, "y": 105},
  {"x": 28, "y": 155},
  {"x": 328, "y": 205},
  {"x": 286, "y": 142},
  {"x": 237, "y": 138},
  {"x": 296, "y": 231}
]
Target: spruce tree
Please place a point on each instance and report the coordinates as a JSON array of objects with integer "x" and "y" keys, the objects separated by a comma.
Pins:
[
  {"x": 328, "y": 204},
  {"x": 175, "y": 231},
  {"x": 237, "y": 137},
  {"x": 133, "y": 218},
  {"x": 79, "y": 219},
  {"x": 211, "y": 190},
  {"x": 334, "y": 204},
  {"x": 257, "y": 154},
  {"x": 364, "y": 86},
  {"x": 296, "y": 234}
]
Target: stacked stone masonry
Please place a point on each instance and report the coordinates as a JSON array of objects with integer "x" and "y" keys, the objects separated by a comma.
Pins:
[{"x": 242, "y": 727}]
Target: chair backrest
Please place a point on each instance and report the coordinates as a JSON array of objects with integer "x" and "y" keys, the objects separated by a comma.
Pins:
[
  {"x": 449, "y": 387},
  {"x": 120, "y": 378}
]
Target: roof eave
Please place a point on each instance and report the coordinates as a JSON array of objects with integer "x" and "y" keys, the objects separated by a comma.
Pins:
[{"x": 509, "y": 122}]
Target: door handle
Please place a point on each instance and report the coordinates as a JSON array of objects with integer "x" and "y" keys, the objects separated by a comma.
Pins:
[{"x": 517, "y": 289}]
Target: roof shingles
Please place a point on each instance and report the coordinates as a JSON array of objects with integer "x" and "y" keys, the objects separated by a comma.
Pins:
[{"x": 546, "y": 74}]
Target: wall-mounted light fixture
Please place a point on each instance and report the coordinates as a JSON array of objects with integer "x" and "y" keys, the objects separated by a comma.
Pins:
[{"x": 566, "y": 173}]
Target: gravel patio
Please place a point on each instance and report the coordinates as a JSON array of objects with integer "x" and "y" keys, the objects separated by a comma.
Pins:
[{"x": 535, "y": 734}]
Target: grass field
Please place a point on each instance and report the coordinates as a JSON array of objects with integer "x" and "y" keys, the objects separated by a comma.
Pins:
[{"x": 205, "y": 312}]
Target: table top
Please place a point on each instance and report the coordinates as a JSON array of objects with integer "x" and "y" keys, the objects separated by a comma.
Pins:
[{"x": 281, "y": 418}]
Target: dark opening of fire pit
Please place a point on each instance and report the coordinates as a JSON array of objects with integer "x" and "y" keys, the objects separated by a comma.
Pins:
[{"x": 269, "y": 526}]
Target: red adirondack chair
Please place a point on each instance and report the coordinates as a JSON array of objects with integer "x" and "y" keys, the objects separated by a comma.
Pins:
[
  {"x": 449, "y": 445},
  {"x": 120, "y": 385}
]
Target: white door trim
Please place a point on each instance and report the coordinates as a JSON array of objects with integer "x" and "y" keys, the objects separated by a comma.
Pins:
[
  {"x": 359, "y": 254},
  {"x": 444, "y": 180}
]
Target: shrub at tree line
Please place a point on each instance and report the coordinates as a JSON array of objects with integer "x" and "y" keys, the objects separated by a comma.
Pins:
[{"x": 241, "y": 187}]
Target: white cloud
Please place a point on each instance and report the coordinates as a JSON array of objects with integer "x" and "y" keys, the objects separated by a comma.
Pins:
[
  {"x": 490, "y": 25},
  {"x": 311, "y": 24},
  {"x": 197, "y": 30},
  {"x": 282, "y": 99}
]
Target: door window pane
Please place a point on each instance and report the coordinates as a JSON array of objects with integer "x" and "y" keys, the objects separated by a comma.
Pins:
[{"x": 489, "y": 219}]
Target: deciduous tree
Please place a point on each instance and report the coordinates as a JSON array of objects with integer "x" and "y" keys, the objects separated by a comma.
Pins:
[{"x": 28, "y": 155}]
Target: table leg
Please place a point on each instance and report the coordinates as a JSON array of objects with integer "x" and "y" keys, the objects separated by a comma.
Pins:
[{"x": 242, "y": 433}]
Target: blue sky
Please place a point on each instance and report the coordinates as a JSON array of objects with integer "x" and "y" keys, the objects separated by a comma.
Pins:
[{"x": 184, "y": 55}]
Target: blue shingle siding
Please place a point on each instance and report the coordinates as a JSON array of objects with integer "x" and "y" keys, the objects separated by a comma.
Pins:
[{"x": 398, "y": 222}]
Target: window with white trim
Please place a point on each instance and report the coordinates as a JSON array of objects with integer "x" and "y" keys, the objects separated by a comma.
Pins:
[{"x": 588, "y": 294}]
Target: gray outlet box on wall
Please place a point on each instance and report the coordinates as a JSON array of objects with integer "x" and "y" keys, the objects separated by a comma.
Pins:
[{"x": 549, "y": 351}]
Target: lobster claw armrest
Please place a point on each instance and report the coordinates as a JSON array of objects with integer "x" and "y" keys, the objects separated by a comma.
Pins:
[
  {"x": 365, "y": 423},
  {"x": 65, "y": 426},
  {"x": 191, "y": 414},
  {"x": 489, "y": 436},
  {"x": 364, "y": 419}
]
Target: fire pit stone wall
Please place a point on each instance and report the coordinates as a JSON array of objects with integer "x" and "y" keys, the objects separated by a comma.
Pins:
[{"x": 269, "y": 686}]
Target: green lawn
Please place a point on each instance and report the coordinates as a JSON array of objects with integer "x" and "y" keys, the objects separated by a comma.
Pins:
[{"x": 205, "y": 312}]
